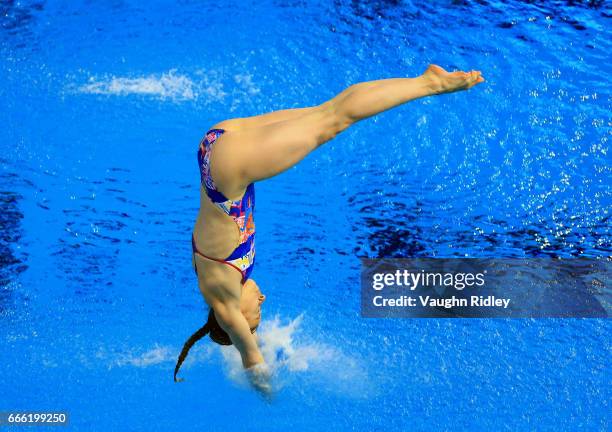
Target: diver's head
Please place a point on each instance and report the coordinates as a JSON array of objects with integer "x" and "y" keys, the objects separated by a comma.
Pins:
[
  {"x": 216, "y": 333},
  {"x": 250, "y": 305},
  {"x": 251, "y": 299}
]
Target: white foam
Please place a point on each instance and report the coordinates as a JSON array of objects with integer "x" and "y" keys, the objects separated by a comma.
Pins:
[
  {"x": 288, "y": 355},
  {"x": 158, "y": 355},
  {"x": 169, "y": 85},
  {"x": 291, "y": 355},
  {"x": 246, "y": 82}
]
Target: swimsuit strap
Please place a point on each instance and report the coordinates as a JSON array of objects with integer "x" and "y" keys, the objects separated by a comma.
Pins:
[{"x": 196, "y": 251}]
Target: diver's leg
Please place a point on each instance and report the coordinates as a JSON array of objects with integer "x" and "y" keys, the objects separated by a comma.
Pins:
[
  {"x": 247, "y": 155},
  {"x": 262, "y": 119}
]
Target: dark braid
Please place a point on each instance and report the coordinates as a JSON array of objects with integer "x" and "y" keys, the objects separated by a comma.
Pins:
[
  {"x": 203, "y": 331},
  {"x": 217, "y": 334}
]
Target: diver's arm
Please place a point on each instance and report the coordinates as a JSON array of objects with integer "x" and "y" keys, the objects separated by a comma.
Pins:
[
  {"x": 234, "y": 323},
  {"x": 221, "y": 288},
  {"x": 230, "y": 318}
]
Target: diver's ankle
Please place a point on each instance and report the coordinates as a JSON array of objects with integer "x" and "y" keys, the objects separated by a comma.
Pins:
[{"x": 433, "y": 83}]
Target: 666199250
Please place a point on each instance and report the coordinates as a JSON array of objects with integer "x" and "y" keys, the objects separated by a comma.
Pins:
[{"x": 31, "y": 418}]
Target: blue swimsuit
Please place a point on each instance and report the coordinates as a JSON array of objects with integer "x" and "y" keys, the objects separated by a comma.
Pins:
[{"x": 241, "y": 211}]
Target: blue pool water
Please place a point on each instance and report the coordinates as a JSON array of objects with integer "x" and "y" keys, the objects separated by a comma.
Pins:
[{"x": 103, "y": 106}]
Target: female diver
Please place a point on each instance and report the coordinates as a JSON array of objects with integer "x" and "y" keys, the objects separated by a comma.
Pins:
[{"x": 236, "y": 153}]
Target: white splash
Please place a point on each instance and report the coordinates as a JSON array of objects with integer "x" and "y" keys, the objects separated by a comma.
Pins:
[
  {"x": 158, "y": 355},
  {"x": 206, "y": 86},
  {"x": 246, "y": 82},
  {"x": 280, "y": 350},
  {"x": 169, "y": 85},
  {"x": 288, "y": 355}
]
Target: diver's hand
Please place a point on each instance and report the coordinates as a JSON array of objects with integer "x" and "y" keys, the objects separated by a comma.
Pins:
[{"x": 259, "y": 376}]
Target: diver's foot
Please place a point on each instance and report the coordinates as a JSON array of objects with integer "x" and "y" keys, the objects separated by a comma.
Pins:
[{"x": 441, "y": 81}]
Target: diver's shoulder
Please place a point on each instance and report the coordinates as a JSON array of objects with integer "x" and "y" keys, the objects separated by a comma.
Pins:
[{"x": 217, "y": 280}]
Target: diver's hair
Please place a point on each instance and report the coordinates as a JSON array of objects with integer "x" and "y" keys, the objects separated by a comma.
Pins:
[{"x": 211, "y": 328}]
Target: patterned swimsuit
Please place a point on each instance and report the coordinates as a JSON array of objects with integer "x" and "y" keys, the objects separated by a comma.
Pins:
[{"x": 241, "y": 211}]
